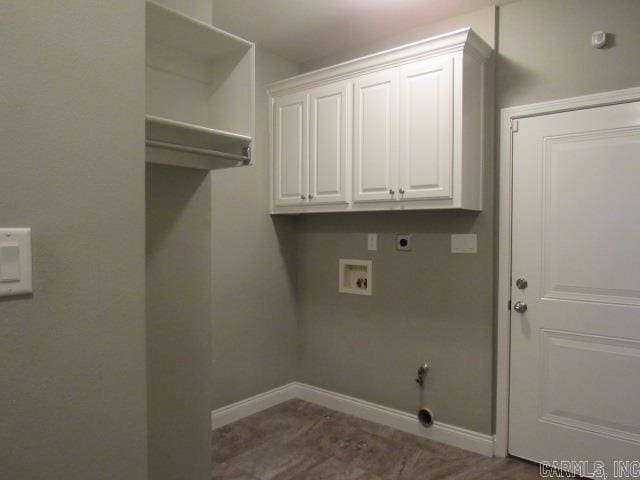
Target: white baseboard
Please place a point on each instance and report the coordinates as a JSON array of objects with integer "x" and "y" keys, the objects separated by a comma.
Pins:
[
  {"x": 230, "y": 413},
  {"x": 406, "y": 422}
]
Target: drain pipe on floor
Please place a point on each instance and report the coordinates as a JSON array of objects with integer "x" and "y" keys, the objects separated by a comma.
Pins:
[{"x": 425, "y": 415}]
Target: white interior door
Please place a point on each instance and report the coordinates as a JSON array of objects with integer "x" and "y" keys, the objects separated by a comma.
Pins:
[
  {"x": 375, "y": 137},
  {"x": 328, "y": 155},
  {"x": 575, "y": 351},
  {"x": 426, "y": 130},
  {"x": 290, "y": 156}
]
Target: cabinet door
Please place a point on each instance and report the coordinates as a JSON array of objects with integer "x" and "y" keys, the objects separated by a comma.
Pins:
[
  {"x": 375, "y": 142},
  {"x": 426, "y": 130},
  {"x": 290, "y": 155},
  {"x": 328, "y": 143}
]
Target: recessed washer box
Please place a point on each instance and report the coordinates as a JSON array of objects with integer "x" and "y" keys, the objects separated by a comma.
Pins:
[{"x": 355, "y": 276}]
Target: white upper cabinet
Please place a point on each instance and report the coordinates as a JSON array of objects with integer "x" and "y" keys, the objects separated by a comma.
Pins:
[
  {"x": 426, "y": 141},
  {"x": 375, "y": 136},
  {"x": 290, "y": 154},
  {"x": 404, "y": 129},
  {"x": 328, "y": 143}
]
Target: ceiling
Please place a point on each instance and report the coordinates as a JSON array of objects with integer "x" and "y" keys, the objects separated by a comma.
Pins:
[{"x": 303, "y": 30}]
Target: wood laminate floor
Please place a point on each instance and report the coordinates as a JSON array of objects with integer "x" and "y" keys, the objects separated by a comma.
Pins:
[{"x": 299, "y": 440}]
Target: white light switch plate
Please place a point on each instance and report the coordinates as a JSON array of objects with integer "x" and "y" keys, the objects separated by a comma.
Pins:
[
  {"x": 464, "y": 243},
  {"x": 15, "y": 261}
]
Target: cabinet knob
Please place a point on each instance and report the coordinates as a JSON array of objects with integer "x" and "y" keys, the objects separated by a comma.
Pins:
[
  {"x": 392, "y": 191},
  {"x": 401, "y": 191},
  {"x": 310, "y": 197},
  {"x": 303, "y": 197}
]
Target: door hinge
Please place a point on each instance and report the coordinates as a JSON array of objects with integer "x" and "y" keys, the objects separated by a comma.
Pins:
[
  {"x": 509, "y": 305},
  {"x": 514, "y": 126}
]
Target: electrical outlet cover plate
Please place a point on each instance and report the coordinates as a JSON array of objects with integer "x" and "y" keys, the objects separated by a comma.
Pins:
[
  {"x": 355, "y": 276},
  {"x": 403, "y": 242}
]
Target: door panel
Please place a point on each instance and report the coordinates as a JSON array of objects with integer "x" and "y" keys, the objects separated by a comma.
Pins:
[
  {"x": 570, "y": 363},
  {"x": 290, "y": 149},
  {"x": 375, "y": 137},
  {"x": 426, "y": 131},
  {"x": 328, "y": 155},
  {"x": 575, "y": 352},
  {"x": 602, "y": 172}
]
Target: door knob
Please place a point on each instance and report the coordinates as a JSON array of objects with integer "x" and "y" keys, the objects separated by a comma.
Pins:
[
  {"x": 522, "y": 283},
  {"x": 520, "y": 307}
]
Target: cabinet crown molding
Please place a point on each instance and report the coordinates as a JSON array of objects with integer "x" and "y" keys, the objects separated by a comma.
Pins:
[{"x": 464, "y": 39}]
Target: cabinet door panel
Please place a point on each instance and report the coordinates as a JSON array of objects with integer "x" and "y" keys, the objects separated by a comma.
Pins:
[
  {"x": 328, "y": 154},
  {"x": 375, "y": 136},
  {"x": 426, "y": 132},
  {"x": 290, "y": 177}
]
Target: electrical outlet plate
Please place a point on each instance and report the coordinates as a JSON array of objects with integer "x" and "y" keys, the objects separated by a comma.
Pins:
[
  {"x": 355, "y": 276},
  {"x": 403, "y": 242}
]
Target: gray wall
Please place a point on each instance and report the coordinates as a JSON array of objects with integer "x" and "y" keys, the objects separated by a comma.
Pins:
[
  {"x": 178, "y": 322},
  {"x": 254, "y": 319},
  {"x": 275, "y": 303},
  {"x": 427, "y": 304},
  {"x": 430, "y": 304},
  {"x": 220, "y": 304},
  {"x": 545, "y": 51},
  {"x": 252, "y": 316},
  {"x": 178, "y": 227},
  {"x": 200, "y": 9},
  {"x": 72, "y": 356},
  {"x": 482, "y": 21}
]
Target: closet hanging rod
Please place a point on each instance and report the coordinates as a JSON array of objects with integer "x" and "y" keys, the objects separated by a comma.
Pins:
[{"x": 201, "y": 151}]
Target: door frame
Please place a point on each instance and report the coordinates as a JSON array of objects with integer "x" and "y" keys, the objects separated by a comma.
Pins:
[{"x": 508, "y": 119}]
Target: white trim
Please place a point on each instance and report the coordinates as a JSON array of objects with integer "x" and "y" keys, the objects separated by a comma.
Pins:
[
  {"x": 253, "y": 145},
  {"x": 508, "y": 115},
  {"x": 230, "y": 413},
  {"x": 458, "y": 40},
  {"x": 406, "y": 422}
]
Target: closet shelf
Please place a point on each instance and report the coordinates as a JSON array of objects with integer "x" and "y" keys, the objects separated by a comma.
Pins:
[
  {"x": 187, "y": 35},
  {"x": 200, "y": 85},
  {"x": 219, "y": 146}
]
